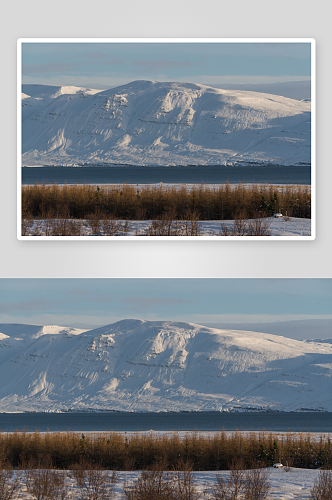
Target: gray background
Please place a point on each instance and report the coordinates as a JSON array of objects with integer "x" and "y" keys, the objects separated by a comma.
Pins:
[{"x": 160, "y": 18}]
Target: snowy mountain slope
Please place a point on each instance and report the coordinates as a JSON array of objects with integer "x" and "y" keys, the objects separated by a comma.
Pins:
[
  {"x": 36, "y": 97},
  {"x": 15, "y": 338},
  {"x": 27, "y": 333},
  {"x": 136, "y": 365},
  {"x": 300, "y": 90},
  {"x": 155, "y": 123},
  {"x": 320, "y": 341}
]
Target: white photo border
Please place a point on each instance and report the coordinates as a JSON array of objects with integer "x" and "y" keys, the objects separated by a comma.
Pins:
[{"x": 311, "y": 41}]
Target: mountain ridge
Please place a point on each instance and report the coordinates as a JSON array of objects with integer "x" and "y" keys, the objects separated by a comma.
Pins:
[
  {"x": 148, "y": 123},
  {"x": 139, "y": 365}
]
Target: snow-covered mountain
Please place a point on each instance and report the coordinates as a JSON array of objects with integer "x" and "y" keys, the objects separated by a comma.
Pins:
[
  {"x": 36, "y": 97},
  {"x": 155, "y": 123},
  {"x": 14, "y": 339},
  {"x": 136, "y": 365}
]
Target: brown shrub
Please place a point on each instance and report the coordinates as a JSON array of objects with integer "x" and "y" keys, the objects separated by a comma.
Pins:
[
  {"x": 156, "y": 484},
  {"x": 128, "y": 202},
  {"x": 139, "y": 451},
  {"x": 93, "y": 482},
  {"x": 256, "y": 484},
  {"x": 8, "y": 485},
  {"x": 230, "y": 488},
  {"x": 48, "y": 484},
  {"x": 322, "y": 488}
]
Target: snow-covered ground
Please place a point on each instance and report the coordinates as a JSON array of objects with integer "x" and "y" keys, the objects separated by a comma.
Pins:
[
  {"x": 283, "y": 226},
  {"x": 292, "y": 485},
  {"x": 137, "y": 365},
  {"x": 162, "y": 123},
  {"x": 286, "y": 227},
  {"x": 295, "y": 484}
]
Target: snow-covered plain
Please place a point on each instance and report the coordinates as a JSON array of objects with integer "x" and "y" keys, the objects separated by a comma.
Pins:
[
  {"x": 162, "y": 123},
  {"x": 290, "y": 226},
  {"x": 295, "y": 484},
  {"x": 291, "y": 485},
  {"x": 137, "y": 365}
]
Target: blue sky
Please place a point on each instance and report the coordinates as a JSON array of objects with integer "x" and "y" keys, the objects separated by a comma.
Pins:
[
  {"x": 103, "y": 65},
  {"x": 96, "y": 302}
]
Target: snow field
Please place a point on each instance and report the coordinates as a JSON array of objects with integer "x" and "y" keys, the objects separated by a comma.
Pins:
[
  {"x": 292, "y": 485},
  {"x": 284, "y": 226}
]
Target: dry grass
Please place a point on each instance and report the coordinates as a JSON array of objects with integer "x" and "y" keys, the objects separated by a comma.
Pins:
[
  {"x": 129, "y": 202},
  {"x": 117, "y": 451}
]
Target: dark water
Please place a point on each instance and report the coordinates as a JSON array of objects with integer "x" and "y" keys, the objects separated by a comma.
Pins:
[
  {"x": 203, "y": 421},
  {"x": 181, "y": 175}
]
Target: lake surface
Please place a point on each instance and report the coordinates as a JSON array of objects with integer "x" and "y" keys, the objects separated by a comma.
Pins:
[
  {"x": 175, "y": 175},
  {"x": 201, "y": 421}
]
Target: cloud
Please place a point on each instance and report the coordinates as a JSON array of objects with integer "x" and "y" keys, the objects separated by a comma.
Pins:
[
  {"x": 161, "y": 64},
  {"x": 139, "y": 303},
  {"x": 24, "y": 306},
  {"x": 91, "y": 296},
  {"x": 41, "y": 69},
  {"x": 103, "y": 59}
]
